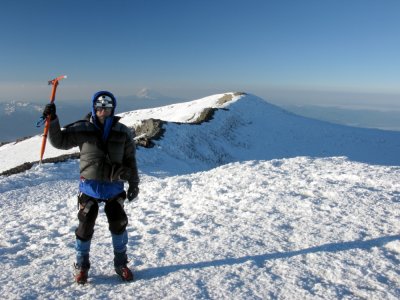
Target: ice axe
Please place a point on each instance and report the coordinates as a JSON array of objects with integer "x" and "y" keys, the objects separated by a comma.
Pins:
[{"x": 54, "y": 83}]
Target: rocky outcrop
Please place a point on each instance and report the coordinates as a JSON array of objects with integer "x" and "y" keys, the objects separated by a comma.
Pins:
[
  {"x": 28, "y": 165},
  {"x": 147, "y": 131}
]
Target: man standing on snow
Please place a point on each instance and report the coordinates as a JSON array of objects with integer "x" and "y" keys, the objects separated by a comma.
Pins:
[{"x": 107, "y": 159}]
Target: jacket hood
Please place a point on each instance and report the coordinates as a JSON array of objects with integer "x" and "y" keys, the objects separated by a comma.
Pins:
[{"x": 97, "y": 95}]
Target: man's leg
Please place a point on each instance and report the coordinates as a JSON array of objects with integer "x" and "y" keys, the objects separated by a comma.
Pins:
[
  {"x": 118, "y": 221},
  {"x": 88, "y": 211}
]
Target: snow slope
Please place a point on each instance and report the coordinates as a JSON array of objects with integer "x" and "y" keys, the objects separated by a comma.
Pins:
[
  {"x": 251, "y": 129},
  {"x": 243, "y": 129},
  {"x": 227, "y": 210}
]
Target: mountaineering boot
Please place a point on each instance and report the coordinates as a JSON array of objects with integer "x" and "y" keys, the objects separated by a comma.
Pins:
[
  {"x": 81, "y": 274},
  {"x": 124, "y": 272},
  {"x": 121, "y": 268}
]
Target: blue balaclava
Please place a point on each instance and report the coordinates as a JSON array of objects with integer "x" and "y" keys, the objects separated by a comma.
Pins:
[{"x": 109, "y": 120}]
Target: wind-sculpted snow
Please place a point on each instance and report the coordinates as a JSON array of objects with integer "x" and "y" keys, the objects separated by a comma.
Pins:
[{"x": 295, "y": 228}]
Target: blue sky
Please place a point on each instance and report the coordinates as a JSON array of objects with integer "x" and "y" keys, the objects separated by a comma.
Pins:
[{"x": 324, "y": 51}]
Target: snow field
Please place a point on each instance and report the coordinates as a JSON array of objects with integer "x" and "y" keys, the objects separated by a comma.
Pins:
[
  {"x": 253, "y": 230},
  {"x": 258, "y": 203}
]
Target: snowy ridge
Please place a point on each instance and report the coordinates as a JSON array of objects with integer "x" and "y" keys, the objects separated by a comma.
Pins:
[
  {"x": 18, "y": 153},
  {"x": 244, "y": 128},
  {"x": 251, "y": 129},
  {"x": 181, "y": 112},
  {"x": 257, "y": 203}
]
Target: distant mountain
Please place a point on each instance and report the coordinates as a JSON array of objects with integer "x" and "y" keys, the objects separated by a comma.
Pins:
[
  {"x": 12, "y": 107},
  {"x": 145, "y": 98},
  {"x": 18, "y": 119},
  {"x": 146, "y": 93}
]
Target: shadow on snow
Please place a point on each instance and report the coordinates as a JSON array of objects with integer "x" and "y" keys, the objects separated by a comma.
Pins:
[{"x": 259, "y": 260}]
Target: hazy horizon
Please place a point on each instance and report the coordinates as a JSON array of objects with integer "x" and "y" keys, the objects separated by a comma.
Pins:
[{"x": 300, "y": 97}]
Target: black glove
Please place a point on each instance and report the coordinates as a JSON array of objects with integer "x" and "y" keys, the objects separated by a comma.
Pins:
[
  {"x": 50, "y": 110},
  {"x": 133, "y": 190}
]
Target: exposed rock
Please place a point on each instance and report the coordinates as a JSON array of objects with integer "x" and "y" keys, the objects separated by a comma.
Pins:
[
  {"x": 28, "y": 165},
  {"x": 228, "y": 97},
  {"x": 152, "y": 129},
  {"x": 16, "y": 141},
  {"x": 205, "y": 116},
  {"x": 225, "y": 98},
  {"x": 148, "y": 130}
]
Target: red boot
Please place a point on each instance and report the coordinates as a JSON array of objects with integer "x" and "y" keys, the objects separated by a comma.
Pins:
[
  {"x": 124, "y": 272},
  {"x": 81, "y": 274},
  {"x": 120, "y": 265}
]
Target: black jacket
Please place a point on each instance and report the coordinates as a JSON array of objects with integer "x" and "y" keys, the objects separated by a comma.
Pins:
[{"x": 106, "y": 161}]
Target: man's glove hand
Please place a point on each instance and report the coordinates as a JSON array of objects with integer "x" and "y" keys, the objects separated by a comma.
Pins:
[
  {"x": 50, "y": 110},
  {"x": 133, "y": 190}
]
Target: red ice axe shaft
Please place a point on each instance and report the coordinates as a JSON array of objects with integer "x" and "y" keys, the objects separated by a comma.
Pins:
[{"x": 54, "y": 83}]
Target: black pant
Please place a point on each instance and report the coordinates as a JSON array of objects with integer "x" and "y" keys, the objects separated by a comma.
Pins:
[{"x": 89, "y": 209}]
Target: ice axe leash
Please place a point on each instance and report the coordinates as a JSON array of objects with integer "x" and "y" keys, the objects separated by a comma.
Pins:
[{"x": 46, "y": 121}]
